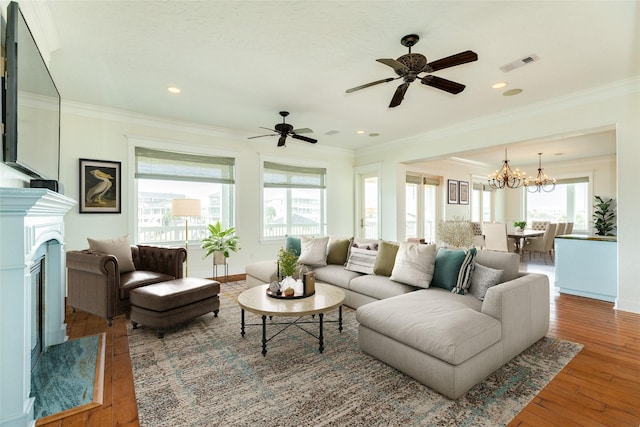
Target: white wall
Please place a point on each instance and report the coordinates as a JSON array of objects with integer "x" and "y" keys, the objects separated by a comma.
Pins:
[
  {"x": 616, "y": 106},
  {"x": 95, "y": 133}
]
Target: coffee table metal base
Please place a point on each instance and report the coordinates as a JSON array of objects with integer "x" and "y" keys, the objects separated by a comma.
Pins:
[{"x": 297, "y": 322}]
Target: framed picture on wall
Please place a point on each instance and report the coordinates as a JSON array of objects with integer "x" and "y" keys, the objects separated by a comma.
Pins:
[
  {"x": 463, "y": 192},
  {"x": 453, "y": 191},
  {"x": 100, "y": 186}
]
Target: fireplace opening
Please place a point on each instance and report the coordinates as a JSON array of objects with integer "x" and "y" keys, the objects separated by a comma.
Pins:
[{"x": 37, "y": 314}]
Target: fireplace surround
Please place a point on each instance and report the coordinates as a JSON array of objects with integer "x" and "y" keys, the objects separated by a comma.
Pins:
[{"x": 31, "y": 225}]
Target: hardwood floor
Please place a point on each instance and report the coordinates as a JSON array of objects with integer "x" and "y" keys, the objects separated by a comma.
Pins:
[{"x": 599, "y": 387}]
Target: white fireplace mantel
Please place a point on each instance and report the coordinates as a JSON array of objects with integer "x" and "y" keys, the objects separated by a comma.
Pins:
[{"x": 31, "y": 221}]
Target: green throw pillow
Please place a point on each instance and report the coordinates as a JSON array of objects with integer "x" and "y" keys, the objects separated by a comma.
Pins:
[
  {"x": 293, "y": 243},
  {"x": 338, "y": 250},
  {"x": 385, "y": 259},
  {"x": 448, "y": 263}
]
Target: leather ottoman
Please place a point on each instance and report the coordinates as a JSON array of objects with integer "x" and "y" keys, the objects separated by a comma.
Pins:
[{"x": 166, "y": 304}]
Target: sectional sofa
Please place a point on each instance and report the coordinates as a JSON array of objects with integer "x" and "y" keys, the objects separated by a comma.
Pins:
[{"x": 447, "y": 337}]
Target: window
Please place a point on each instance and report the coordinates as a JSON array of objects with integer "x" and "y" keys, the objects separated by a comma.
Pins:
[
  {"x": 162, "y": 176},
  {"x": 293, "y": 200},
  {"x": 568, "y": 202},
  {"x": 420, "y": 209},
  {"x": 481, "y": 202}
]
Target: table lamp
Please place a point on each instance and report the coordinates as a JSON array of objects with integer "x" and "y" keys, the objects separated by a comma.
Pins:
[{"x": 186, "y": 208}]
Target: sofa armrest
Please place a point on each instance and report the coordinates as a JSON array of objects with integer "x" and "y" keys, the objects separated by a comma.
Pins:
[
  {"x": 160, "y": 259},
  {"x": 92, "y": 262},
  {"x": 522, "y": 306},
  {"x": 92, "y": 282}
]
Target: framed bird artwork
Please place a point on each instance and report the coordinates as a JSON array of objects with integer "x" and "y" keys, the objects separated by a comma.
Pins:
[{"x": 100, "y": 186}]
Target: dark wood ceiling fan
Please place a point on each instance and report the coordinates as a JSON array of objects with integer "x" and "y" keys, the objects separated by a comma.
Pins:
[
  {"x": 285, "y": 129},
  {"x": 409, "y": 66}
]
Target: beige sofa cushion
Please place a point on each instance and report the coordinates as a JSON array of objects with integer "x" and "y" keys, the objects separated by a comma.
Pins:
[
  {"x": 414, "y": 264},
  {"x": 378, "y": 287},
  {"x": 433, "y": 323},
  {"x": 335, "y": 275}
]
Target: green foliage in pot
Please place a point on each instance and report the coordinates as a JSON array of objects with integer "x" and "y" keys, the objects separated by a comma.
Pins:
[
  {"x": 521, "y": 224},
  {"x": 287, "y": 262},
  {"x": 604, "y": 216},
  {"x": 220, "y": 240}
]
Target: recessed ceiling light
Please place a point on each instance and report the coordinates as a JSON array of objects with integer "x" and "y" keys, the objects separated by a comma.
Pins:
[
  {"x": 174, "y": 89},
  {"x": 499, "y": 85},
  {"x": 374, "y": 134},
  {"x": 512, "y": 92},
  {"x": 359, "y": 132}
]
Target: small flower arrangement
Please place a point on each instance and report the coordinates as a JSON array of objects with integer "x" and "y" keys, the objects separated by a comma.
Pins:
[
  {"x": 520, "y": 224},
  {"x": 287, "y": 262}
]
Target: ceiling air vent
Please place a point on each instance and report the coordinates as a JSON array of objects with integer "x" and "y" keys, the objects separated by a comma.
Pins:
[{"x": 520, "y": 62}]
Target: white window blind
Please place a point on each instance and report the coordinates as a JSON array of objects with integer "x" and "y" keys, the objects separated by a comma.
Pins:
[
  {"x": 277, "y": 175},
  {"x": 166, "y": 165}
]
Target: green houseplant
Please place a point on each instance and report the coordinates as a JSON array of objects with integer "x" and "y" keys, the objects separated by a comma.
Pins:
[
  {"x": 221, "y": 241},
  {"x": 604, "y": 216},
  {"x": 520, "y": 224},
  {"x": 287, "y": 263}
]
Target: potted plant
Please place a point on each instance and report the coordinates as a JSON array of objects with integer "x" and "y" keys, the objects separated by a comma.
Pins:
[
  {"x": 604, "y": 217},
  {"x": 287, "y": 267},
  {"x": 220, "y": 243},
  {"x": 519, "y": 225}
]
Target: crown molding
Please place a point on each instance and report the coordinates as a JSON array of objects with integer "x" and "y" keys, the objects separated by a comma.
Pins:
[
  {"x": 139, "y": 119},
  {"x": 587, "y": 96}
]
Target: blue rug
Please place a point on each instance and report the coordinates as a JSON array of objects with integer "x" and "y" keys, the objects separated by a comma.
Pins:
[{"x": 64, "y": 376}]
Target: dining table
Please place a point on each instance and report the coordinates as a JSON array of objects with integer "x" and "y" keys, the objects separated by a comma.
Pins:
[{"x": 519, "y": 236}]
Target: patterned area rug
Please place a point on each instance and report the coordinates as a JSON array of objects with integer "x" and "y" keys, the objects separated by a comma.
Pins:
[{"x": 204, "y": 373}]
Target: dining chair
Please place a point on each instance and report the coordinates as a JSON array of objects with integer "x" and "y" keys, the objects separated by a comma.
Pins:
[
  {"x": 543, "y": 245},
  {"x": 478, "y": 237},
  {"x": 495, "y": 237},
  {"x": 539, "y": 225},
  {"x": 569, "y": 228}
]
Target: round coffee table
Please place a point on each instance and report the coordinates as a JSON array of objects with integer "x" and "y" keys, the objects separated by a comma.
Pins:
[{"x": 257, "y": 301}]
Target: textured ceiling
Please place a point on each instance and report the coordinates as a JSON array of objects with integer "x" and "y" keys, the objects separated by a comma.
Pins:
[{"x": 239, "y": 63}]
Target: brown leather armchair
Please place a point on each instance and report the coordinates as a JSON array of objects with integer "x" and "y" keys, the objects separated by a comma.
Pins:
[{"x": 95, "y": 284}]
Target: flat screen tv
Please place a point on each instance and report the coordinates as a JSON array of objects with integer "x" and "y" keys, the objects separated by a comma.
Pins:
[{"x": 31, "y": 109}]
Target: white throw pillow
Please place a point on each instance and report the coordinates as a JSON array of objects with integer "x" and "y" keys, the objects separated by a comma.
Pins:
[
  {"x": 482, "y": 279},
  {"x": 313, "y": 251},
  {"x": 120, "y": 248},
  {"x": 414, "y": 264},
  {"x": 361, "y": 260}
]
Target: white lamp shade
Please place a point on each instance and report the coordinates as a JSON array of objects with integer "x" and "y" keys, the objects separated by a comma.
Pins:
[{"x": 185, "y": 207}]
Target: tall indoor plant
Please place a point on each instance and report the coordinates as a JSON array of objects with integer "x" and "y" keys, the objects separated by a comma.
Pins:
[
  {"x": 604, "y": 216},
  {"x": 220, "y": 242}
]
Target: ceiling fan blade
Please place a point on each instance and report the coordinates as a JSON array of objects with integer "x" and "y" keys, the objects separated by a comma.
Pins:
[
  {"x": 398, "y": 67},
  {"x": 453, "y": 60},
  {"x": 302, "y": 130},
  {"x": 353, "y": 89},
  {"x": 443, "y": 84},
  {"x": 399, "y": 95},
  {"x": 281, "y": 141},
  {"x": 260, "y": 136},
  {"x": 269, "y": 129},
  {"x": 304, "y": 138}
]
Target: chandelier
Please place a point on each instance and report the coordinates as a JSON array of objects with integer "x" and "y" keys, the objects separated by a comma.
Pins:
[
  {"x": 505, "y": 177},
  {"x": 542, "y": 181}
]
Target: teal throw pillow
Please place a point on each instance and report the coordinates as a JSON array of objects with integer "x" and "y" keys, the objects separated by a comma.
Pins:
[
  {"x": 447, "y": 267},
  {"x": 293, "y": 243}
]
